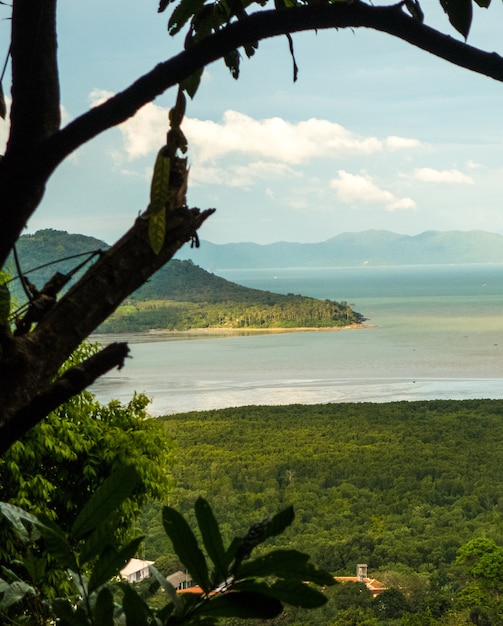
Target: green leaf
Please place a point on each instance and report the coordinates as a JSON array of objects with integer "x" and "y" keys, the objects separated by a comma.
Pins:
[
  {"x": 4, "y": 304},
  {"x": 104, "y": 610},
  {"x": 244, "y": 604},
  {"x": 136, "y": 611},
  {"x": 16, "y": 516},
  {"x": 111, "y": 562},
  {"x": 160, "y": 182},
  {"x": 168, "y": 588},
  {"x": 96, "y": 542},
  {"x": 289, "y": 564},
  {"x": 484, "y": 4},
  {"x": 159, "y": 188},
  {"x": 56, "y": 544},
  {"x": 460, "y": 14},
  {"x": 68, "y": 615},
  {"x": 106, "y": 500},
  {"x": 212, "y": 538},
  {"x": 15, "y": 592},
  {"x": 186, "y": 546},
  {"x": 157, "y": 230}
]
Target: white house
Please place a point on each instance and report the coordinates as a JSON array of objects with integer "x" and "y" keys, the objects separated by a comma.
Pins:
[{"x": 136, "y": 570}]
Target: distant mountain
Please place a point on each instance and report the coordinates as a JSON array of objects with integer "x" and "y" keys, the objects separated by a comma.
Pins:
[{"x": 371, "y": 247}]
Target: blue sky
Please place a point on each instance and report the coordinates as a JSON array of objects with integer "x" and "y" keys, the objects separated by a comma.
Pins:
[{"x": 374, "y": 134}]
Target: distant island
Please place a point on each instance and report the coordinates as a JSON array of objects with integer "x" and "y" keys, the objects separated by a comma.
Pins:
[
  {"x": 182, "y": 296},
  {"x": 367, "y": 248}
]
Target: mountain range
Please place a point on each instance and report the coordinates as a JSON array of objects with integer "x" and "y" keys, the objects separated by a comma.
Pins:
[{"x": 371, "y": 247}]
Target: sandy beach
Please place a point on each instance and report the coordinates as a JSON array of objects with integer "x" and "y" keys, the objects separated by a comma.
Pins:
[{"x": 160, "y": 334}]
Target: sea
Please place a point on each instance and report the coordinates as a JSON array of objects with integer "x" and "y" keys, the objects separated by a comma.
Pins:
[{"x": 433, "y": 332}]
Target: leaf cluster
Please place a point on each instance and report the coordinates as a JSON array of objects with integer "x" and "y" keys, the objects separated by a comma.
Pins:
[{"x": 234, "y": 586}]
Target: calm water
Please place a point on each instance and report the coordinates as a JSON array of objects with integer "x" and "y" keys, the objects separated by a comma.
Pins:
[{"x": 438, "y": 333}]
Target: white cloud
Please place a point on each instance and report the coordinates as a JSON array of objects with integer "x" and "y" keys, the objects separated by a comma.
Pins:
[
  {"x": 241, "y": 175},
  {"x": 429, "y": 175},
  {"x": 357, "y": 189},
  {"x": 401, "y": 143},
  {"x": 98, "y": 96},
  {"x": 272, "y": 138},
  {"x": 473, "y": 165}
]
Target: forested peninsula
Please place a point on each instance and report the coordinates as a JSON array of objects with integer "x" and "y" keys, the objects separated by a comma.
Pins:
[
  {"x": 183, "y": 296},
  {"x": 180, "y": 296}
]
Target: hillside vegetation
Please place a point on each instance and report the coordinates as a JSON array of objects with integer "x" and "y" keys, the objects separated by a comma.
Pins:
[
  {"x": 182, "y": 296},
  {"x": 400, "y": 486}
]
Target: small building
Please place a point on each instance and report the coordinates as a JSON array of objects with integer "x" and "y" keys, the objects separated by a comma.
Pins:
[
  {"x": 136, "y": 570},
  {"x": 180, "y": 580},
  {"x": 373, "y": 585}
]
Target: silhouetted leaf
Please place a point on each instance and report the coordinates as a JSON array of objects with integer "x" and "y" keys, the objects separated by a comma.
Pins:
[
  {"x": 136, "y": 611},
  {"x": 245, "y": 604},
  {"x": 460, "y": 14},
  {"x": 279, "y": 522},
  {"x": 56, "y": 544},
  {"x": 191, "y": 84},
  {"x": 111, "y": 562},
  {"x": 212, "y": 538},
  {"x": 186, "y": 546},
  {"x": 105, "y": 501},
  {"x": 182, "y": 14},
  {"x": 298, "y": 594},
  {"x": 16, "y": 516},
  {"x": 95, "y": 543},
  {"x": 104, "y": 611},
  {"x": 68, "y": 615},
  {"x": 290, "y": 564},
  {"x": 232, "y": 60}
]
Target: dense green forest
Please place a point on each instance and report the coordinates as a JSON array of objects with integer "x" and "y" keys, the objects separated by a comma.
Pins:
[
  {"x": 400, "y": 486},
  {"x": 180, "y": 296}
]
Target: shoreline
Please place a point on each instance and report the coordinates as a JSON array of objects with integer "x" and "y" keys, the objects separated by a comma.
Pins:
[{"x": 216, "y": 331}]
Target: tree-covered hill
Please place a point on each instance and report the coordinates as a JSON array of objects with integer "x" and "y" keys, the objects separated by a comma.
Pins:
[
  {"x": 180, "y": 295},
  {"x": 401, "y": 486}
]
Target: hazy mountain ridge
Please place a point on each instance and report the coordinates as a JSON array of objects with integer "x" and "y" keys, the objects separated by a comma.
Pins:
[{"x": 371, "y": 247}]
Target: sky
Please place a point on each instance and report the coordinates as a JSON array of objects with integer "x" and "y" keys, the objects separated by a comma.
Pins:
[{"x": 375, "y": 134}]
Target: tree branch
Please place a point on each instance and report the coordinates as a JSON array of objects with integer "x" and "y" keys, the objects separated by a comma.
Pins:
[
  {"x": 31, "y": 361},
  {"x": 35, "y": 168},
  {"x": 35, "y": 111},
  {"x": 72, "y": 382},
  {"x": 258, "y": 26}
]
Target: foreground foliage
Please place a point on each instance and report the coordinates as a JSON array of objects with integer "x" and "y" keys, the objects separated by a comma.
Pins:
[
  {"x": 55, "y": 468},
  {"x": 233, "y": 586}
]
